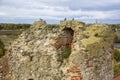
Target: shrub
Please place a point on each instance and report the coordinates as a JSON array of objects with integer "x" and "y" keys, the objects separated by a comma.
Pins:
[
  {"x": 116, "y": 68},
  {"x": 116, "y": 39},
  {"x": 66, "y": 53},
  {"x": 117, "y": 55}
]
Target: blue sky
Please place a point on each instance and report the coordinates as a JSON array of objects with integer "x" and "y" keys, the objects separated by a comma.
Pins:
[{"x": 28, "y": 11}]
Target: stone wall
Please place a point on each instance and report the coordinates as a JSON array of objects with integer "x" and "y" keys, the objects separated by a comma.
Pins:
[{"x": 63, "y": 53}]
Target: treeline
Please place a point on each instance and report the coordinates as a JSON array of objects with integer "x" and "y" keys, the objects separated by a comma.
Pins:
[
  {"x": 114, "y": 26},
  {"x": 11, "y": 26},
  {"x": 51, "y": 26},
  {"x": 116, "y": 29},
  {"x": 117, "y": 37}
]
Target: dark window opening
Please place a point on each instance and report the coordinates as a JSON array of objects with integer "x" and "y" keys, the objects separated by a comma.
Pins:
[
  {"x": 30, "y": 79},
  {"x": 68, "y": 31},
  {"x": 65, "y": 38},
  {"x": 64, "y": 41},
  {"x": 31, "y": 58}
]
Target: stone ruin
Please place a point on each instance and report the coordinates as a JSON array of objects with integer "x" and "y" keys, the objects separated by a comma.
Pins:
[{"x": 69, "y": 52}]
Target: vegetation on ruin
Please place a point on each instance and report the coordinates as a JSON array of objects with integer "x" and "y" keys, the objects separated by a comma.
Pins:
[
  {"x": 117, "y": 54},
  {"x": 66, "y": 53},
  {"x": 116, "y": 68},
  {"x": 116, "y": 61},
  {"x": 11, "y": 26},
  {"x": 2, "y": 50}
]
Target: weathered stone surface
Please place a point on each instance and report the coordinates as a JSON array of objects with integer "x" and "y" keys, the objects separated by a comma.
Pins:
[
  {"x": 67, "y": 53},
  {"x": 74, "y": 24}
]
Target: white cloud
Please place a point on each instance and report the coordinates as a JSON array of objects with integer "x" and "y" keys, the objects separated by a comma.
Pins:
[
  {"x": 56, "y": 10},
  {"x": 2, "y": 14}
]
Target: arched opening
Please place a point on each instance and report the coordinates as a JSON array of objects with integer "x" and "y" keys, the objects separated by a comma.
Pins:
[
  {"x": 68, "y": 31},
  {"x": 67, "y": 36},
  {"x": 30, "y": 79},
  {"x": 64, "y": 40}
]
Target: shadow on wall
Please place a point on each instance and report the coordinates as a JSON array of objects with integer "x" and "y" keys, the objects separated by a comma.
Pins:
[
  {"x": 65, "y": 38},
  {"x": 63, "y": 42}
]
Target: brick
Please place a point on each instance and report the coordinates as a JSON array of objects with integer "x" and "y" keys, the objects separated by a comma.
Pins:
[
  {"x": 76, "y": 78},
  {"x": 74, "y": 70}
]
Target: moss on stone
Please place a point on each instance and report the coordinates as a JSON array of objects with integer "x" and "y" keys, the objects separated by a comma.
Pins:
[
  {"x": 97, "y": 37},
  {"x": 92, "y": 44},
  {"x": 96, "y": 45},
  {"x": 98, "y": 31},
  {"x": 90, "y": 40}
]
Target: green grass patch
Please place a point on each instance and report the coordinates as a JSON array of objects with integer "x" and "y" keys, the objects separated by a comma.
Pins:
[{"x": 66, "y": 53}]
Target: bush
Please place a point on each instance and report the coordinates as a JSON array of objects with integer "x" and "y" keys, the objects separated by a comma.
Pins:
[
  {"x": 117, "y": 55},
  {"x": 66, "y": 53},
  {"x": 116, "y": 39},
  {"x": 116, "y": 68}
]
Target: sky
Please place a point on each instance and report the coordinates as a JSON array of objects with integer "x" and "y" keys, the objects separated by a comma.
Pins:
[{"x": 28, "y": 11}]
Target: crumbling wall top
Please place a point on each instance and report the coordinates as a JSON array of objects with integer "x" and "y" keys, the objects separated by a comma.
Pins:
[
  {"x": 74, "y": 24},
  {"x": 40, "y": 23}
]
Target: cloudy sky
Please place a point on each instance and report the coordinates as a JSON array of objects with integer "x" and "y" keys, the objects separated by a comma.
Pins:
[{"x": 27, "y": 11}]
